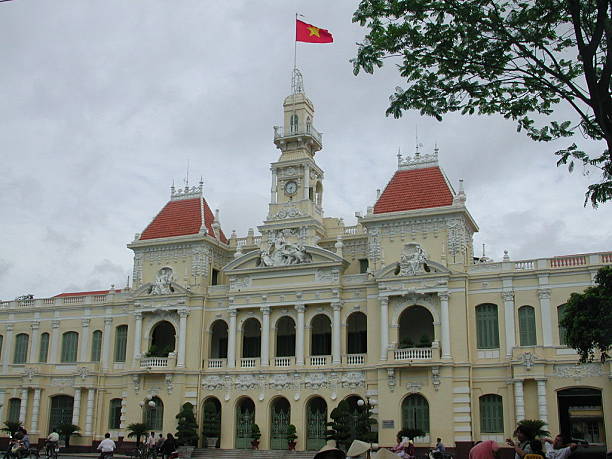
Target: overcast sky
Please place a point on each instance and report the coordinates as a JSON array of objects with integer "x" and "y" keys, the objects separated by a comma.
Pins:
[{"x": 103, "y": 103}]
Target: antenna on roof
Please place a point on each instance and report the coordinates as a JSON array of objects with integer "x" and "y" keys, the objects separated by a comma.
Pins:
[
  {"x": 187, "y": 177},
  {"x": 483, "y": 250},
  {"x": 399, "y": 156},
  {"x": 418, "y": 145}
]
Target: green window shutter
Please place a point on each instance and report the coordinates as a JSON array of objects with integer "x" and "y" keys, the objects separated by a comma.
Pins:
[
  {"x": 415, "y": 413},
  {"x": 21, "y": 348},
  {"x": 70, "y": 342},
  {"x": 562, "y": 331},
  {"x": 13, "y": 409},
  {"x": 114, "y": 414},
  {"x": 43, "y": 351},
  {"x": 487, "y": 329},
  {"x": 96, "y": 346},
  {"x": 491, "y": 414},
  {"x": 154, "y": 415},
  {"x": 527, "y": 326},
  {"x": 120, "y": 343}
]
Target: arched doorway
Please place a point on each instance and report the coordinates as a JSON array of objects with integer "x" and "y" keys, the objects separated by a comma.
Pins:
[
  {"x": 415, "y": 413},
  {"x": 163, "y": 340},
  {"x": 251, "y": 338},
  {"x": 320, "y": 335},
  {"x": 581, "y": 414},
  {"x": 245, "y": 418},
  {"x": 154, "y": 414},
  {"x": 316, "y": 419},
  {"x": 61, "y": 410},
  {"x": 280, "y": 416},
  {"x": 218, "y": 340},
  {"x": 416, "y": 328},
  {"x": 211, "y": 421}
]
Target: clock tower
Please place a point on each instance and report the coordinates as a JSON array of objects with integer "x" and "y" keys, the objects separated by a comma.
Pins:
[{"x": 296, "y": 196}]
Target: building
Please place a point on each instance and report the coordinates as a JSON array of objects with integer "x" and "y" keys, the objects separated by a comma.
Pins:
[{"x": 279, "y": 327}]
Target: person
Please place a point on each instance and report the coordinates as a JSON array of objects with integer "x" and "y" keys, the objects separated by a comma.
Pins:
[
  {"x": 402, "y": 444},
  {"x": 52, "y": 441},
  {"x": 558, "y": 448},
  {"x": 24, "y": 443},
  {"x": 536, "y": 450},
  {"x": 439, "y": 449},
  {"x": 169, "y": 446},
  {"x": 159, "y": 443},
  {"x": 150, "y": 443},
  {"x": 522, "y": 446},
  {"x": 487, "y": 449},
  {"x": 106, "y": 446}
]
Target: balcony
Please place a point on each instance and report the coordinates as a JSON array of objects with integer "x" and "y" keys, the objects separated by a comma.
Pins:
[
  {"x": 249, "y": 362},
  {"x": 413, "y": 353},
  {"x": 319, "y": 360},
  {"x": 355, "y": 359},
  {"x": 280, "y": 135},
  {"x": 217, "y": 363},
  {"x": 283, "y": 361},
  {"x": 154, "y": 362}
]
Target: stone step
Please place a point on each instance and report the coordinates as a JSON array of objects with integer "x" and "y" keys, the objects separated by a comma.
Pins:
[{"x": 202, "y": 453}]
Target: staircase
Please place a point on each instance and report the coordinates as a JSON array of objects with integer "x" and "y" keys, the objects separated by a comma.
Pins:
[{"x": 203, "y": 453}]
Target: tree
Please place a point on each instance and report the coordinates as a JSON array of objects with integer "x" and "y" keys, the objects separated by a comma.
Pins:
[
  {"x": 211, "y": 427},
  {"x": 588, "y": 318},
  {"x": 137, "y": 430},
  {"x": 364, "y": 423},
  {"x": 340, "y": 426},
  {"x": 11, "y": 427},
  {"x": 187, "y": 429},
  {"x": 517, "y": 58},
  {"x": 535, "y": 428},
  {"x": 67, "y": 430}
]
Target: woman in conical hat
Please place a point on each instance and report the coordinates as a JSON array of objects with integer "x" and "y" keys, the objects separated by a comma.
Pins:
[
  {"x": 329, "y": 452},
  {"x": 384, "y": 453},
  {"x": 357, "y": 448}
]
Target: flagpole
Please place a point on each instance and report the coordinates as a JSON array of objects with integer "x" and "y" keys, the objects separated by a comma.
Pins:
[{"x": 295, "y": 44}]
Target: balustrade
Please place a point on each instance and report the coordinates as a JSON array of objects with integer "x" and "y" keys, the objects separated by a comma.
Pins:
[
  {"x": 318, "y": 360},
  {"x": 154, "y": 362},
  {"x": 355, "y": 359},
  {"x": 216, "y": 363},
  {"x": 282, "y": 361},
  {"x": 248, "y": 362},
  {"x": 413, "y": 353}
]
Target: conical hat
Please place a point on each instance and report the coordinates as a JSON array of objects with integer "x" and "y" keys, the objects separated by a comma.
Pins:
[
  {"x": 358, "y": 447},
  {"x": 384, "y": 453},
  {"x": 329, "y": 452}
]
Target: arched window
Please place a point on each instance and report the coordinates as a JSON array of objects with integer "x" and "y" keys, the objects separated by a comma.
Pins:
[
  {"x": 154, "y": 415},
  {"x": 218, "y": 340},
  {"x": 70, "y": 343},
  {"x": 316, "y": 417},
  {"x": 415, "y": 413},
  {"x": 61, "y": 410},
  {"x": 294, "y": 123},
  {"x": 527, "y": 325},
  {"x": 562, "y": 331},
  {"x": 416, "y": 328},
  {"x": 96, "y": 345},
  {"x": 320, "y": 339},
  {"x": 120, "y": 343},
  {"x": 43, "y": 351},
  {"x": 13, "y": 409},
  {"x": 487, "y": 329},
  {"x": 21, "y": 348},
  {"x": 491, "y": 414},
  {"x": 357, "y": 333},
  {"x": 114, "y": 414},
  {"x": 163, "y": 339},
  {"x": 285, "y": 337},
  {"x": 251, "y": 338}
]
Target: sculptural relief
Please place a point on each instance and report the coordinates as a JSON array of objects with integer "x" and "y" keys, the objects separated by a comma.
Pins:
[
  {"x": 163, "y": 282},
  {"x": 413, "y": 260}
]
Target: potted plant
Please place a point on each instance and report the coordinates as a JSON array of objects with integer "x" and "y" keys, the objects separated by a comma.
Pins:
[
  {"x": 291, "y": 437},
  {"x": 187, "y": 430},
  {"x": 211, "y": 424},
  {"x": 255, "y": 435}
]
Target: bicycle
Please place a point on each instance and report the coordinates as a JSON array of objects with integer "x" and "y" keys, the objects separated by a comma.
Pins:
[{"x": 51, "y": 450}]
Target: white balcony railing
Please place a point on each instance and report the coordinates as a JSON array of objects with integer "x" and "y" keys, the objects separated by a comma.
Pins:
[
  {"x": 355, "y": 359},
  {"x": 154, "y": 362},
  {"x": 279, "y": 132},
  {"x": 248, "y": 362},
  {"x": 216, "y": 363},
  {"x": 318, "y": 360},
  {"x": 413, "y": 353},
  {"x": 282, "y": 361}
]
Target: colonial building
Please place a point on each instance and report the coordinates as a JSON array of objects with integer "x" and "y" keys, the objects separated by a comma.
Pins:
[{"x": 278, "y": 327}]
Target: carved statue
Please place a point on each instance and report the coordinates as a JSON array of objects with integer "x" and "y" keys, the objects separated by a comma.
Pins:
[
  {"x": 413, "y": 260},
  {"x": 284, "y": 253},
  {"x": 163, "y": 282}
]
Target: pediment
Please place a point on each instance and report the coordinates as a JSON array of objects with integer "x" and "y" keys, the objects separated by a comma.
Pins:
[
  {"x": 173, "y": 289},
  {"x": 394, "y": 271}
]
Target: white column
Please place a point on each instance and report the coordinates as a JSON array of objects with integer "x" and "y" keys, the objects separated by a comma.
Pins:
[
  {"x": 84, "y": 344},
  {"x": 34, "y": 343},
  {"x": 544, "y": 296},
  {"x": 24, "y": 405},
  {"x": 76, "y": 407},
  {"x": 299, "y": 335},
  {"x": 231, "y": 340},
  {"x": 7, "y": 348},
  {"x": 180, "y": 360},
  {"x": 542, "y": 404},
  {"x": 336, "y": 333},
  {"x": 54, "y": 357},
  {"x": 137, "y": 337},
  {"x": 35, "y": 411},
  {"x": 508, "y": 298},
  {"x": 106, "y": 343},
  {"x": 90, "y": 407},
  {"x": 265, "y": 336},
  {"x": 445, "y": 325},
  {"x": 306, "y": 181},
  {"x": 519, "y": 400},
  {"x": 273, "y": 187},
  {"x": 384, "y": 327}
]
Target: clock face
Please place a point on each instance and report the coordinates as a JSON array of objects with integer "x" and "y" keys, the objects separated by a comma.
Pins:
[{"x": 290, "y": 187}]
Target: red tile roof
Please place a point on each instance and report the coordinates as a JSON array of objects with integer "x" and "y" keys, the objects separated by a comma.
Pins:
[
  {"x": 415, "y": 189},
  {"x": 96, "y": 292},
  {"x": 180, "y": 218}
]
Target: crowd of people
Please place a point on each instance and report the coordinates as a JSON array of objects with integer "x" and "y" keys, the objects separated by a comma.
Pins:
[{"x": 153, "y": 446}]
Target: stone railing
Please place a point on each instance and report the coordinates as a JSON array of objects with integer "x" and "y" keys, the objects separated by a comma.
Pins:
[
  {"x": 56, "y": 301},
  {"x": 249, "y": 362},
  {"x": 154, "y": 362},
  {"x": 560, "y": 262},
  {"x": 283, "y": 361},
  {"x": 318, "y": 360},
  {"x": 216, "y": 363},
  {"x": 355, "y": 359},
  {"x": 279, "y": 132},
  {"x": 413, "y": 353},
  {"x": 354, "y": 230}
]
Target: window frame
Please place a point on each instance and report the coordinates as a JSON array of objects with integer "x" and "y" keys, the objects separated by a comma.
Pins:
[
  {"x": 491, "y": 408},
  {"x": 70, "y": 349},
  {"x": 527, "y": 326},
  {"x": 487, "y": 326},
  {"x": 43, "y": 348},
  {"x": 20, "y": 354},
  {"x": 121, "y": 338}
]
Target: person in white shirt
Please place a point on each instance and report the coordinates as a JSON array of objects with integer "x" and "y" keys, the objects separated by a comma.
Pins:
[
  {"x": 151, "y": 441},
  {"x": 106, "y": 446},
  {"x": 556, "y": 449},
  {"x": 52, "y": 440}
]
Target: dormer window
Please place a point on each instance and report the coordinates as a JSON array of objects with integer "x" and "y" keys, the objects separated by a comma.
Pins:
[{"x": 294, "y": 123}]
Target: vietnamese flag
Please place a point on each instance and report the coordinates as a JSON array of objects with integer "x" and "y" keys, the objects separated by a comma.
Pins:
[{"x": 311, "y": 34}]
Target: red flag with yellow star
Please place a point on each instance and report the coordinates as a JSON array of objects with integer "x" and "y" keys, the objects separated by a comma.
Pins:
[{"x": 311, "y": 34}]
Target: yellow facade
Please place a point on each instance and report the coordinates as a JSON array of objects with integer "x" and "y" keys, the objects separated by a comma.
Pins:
[{"x": 410, "y": 275}]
